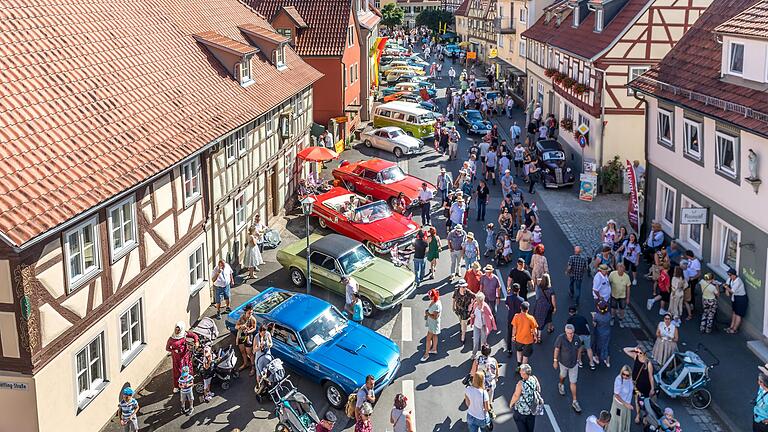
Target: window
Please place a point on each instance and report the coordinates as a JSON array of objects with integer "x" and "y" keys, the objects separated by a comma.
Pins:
[
  {"x": 89, "y": 370},
  {"x": 568, "y": 111},
  {"x": 665, "y": 206},
  {"x": 280, "y": 56},
  {"x": 285, "y": 32},
  {"x": 196, "y": 275},
  {"x": 634, "y": 72},
  {"x": 575, "y": 70},
  {"x": 727, "y": 148},
  {"x": 599, "y": 20},
  {"x": 725, "y": 245},
  {"x": 81, "y": 249},
  {"x": 691, "y": 138},
  {"x": 131, "y": 331},
  {"x": 191, "y": 175},
  {"x": 665, "y": 127},
  {"x": 245, "y": 70},
  {"x": 240, "y": 141},
  {"x": 122, "y": 227},
  {"x": 350, "y": 36},
  {"x": 230, "y": 150},
  {"x": 586, "y": 75},
  {"x": 500, "y": 42},
  {"x": 270, "y": 124},
  {"x": 239, "y": 208},
  {"x": 736, "y": 60},
  {"x": 540, "y": 90},
  {"x": 344, "y": 76},
  {"x": 691, "y": 234},
  {"x": 523, "y": 17}
]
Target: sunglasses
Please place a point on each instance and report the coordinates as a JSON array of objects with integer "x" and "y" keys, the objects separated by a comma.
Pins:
[{"x": 625, "y": 375}]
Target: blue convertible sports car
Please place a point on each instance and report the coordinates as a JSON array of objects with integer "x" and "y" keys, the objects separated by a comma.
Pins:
[{"x": 315, "y": 340}]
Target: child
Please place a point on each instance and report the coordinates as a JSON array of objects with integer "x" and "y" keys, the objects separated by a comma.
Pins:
[
  {"x": 490, "y": 241},
  {"x": 207, "y": 373},
  {"x": 186, "y": 382},
  {"x": 357, "y": 308},
  {"x": 536, "y": 237},
  {"x": 677, "y": 287},
  {"x": 507, "y": 252},
  {"x": 668, "y": 422},
  {"x": 129, "y": 409}
]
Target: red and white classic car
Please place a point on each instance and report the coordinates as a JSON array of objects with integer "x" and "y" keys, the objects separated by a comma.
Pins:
[{"x": 381, "y": 180}]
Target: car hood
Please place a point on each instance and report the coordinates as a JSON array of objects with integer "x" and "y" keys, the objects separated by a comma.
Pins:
[
  {"x": 391, "y": 228},
  {"x": 357, "y": 352},
  {"x": 407, "y": 141},
  {"x": 409, "y": 186},
  {"x": 384, "y": 278},
  {"x": 554, "y": 163},
  {"x": 481, "y": 124}
]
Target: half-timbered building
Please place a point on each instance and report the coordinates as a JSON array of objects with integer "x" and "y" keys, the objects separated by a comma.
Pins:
[
  {"x": 707, "y": 138},
  {"x": 479, "y": 26},
  {"x": 581, "y": 55},
  {"x": 107, "y": 124}
]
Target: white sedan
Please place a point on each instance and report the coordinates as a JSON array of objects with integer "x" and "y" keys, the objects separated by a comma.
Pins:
[{"x": 392, "y": 139}]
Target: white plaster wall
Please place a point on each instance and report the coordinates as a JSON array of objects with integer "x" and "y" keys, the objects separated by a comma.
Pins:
[
  {"x": 21, "y": 403},
  {"x": 6, "y": 292},
  {"x": 755, "y": 57},
  {"x": 51, "y": 324},
  {"x": 52, "y": 278},
  {"x": 9, "y": 335},
  {"x": 162, "y": 192}
]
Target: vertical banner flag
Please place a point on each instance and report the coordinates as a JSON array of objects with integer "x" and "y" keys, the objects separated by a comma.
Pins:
[
  {"x": 376, "y": 50},
  {"x": 633, "y": 208}
]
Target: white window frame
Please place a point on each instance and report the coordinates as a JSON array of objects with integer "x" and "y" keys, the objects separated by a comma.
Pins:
[
  {"x": 730, "y": 58},
  {"x": 350, "y": 36},
  {"x": 245, "y": 70},
  {"x": 190, "y": 173},
  {"x": 568, "y": 112},
  {"x": 280, "y": 56},
  {"x": 634, "y": 72},
  {"x": 582, "y": 119},
  {"x": 95, "y": 385},
  {"x": 240, "y": 141},
  {"x": 126, "y": 355},
  {"x": 586, "y": 75},
  {"x": 686, "y": 229},
  {"x": 599, "y": 14},
  {"x": 661, "y": 206},
  {"x": 284, "y": 32},
  {"x": 718, "y": 167},
  {"x": 659, "y": 137},
  {"x": 521, "y": 48},
  {"x": 718, "y": 252},
  {"x": 239, "y": 211},
  {"x": 75, "y": 281},
  {"x": 230, "y": 150},
  {"x": 689, "y": 124},
  {"x": 120, "y": 225},
  {"x": 196, "y": 268},
  {"x": 523, "y": 16},
  {"x": 575, "y": 70}
]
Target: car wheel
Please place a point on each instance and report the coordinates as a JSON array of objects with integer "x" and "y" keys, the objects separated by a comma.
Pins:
[
  {"x": 368, "y": 307},
  {"x": 297, "y": 278},
  {"x": 322, "y": 223},
  {"x": 281, "y": 427},
  {"x": 398, "y": 152},
  {"x": 368, "y": 143},
  {"x": 334, "y": 394}
]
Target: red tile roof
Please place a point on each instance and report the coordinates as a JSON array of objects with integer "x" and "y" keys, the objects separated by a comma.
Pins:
[
  {"x": 327, "y": 22},
  {"x": 583, "y": 41},
  {"x": 463, "y": 8},
  {"x": 295, "y": 16},
  {"x": 263, "y": 33},
  {"x": 216, "y": 40},
  {"x": 689, "y": 75},
  {"x": 98, "y": 96},
  {"x": 753, "y": 22}
]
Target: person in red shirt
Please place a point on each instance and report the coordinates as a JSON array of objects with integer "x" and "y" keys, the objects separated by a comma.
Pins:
[
  {"x": 664, "y": 283},
  {"x": 472, "y": 277}
]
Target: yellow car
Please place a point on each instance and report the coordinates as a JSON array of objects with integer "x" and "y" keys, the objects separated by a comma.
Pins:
[{"x": 408, "y": 70}]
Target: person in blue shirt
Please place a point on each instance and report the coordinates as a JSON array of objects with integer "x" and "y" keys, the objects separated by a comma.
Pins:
[
  {"x": 760, "y": 411},
  {"x": 357, "y": 308}
]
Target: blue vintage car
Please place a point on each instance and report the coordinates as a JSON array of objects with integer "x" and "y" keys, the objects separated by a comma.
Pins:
[
  {"x": 451, "y": 50},
  {"x": 473, "y": 121},
  {"x": 315, "y": 340}
]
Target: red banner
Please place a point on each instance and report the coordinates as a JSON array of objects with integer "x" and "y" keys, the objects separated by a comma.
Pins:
[{"x": 633, "y": 208}]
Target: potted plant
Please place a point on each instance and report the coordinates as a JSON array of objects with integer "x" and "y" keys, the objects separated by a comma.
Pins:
[
  {"x": 549, "y": 73},
  {"x": 568, "y": 83},
  {"x": 567, "y": 124},
  {"x": 558, "y": 77},
  {"x": 580, "y": 89},
  {"x": 611, "y": 176}
]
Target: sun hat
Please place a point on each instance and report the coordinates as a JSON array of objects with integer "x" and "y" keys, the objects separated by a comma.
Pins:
[
  {"x": 476, "y": 265},
  {"x": 457, "y": 227},
  {"x": 471, "y": 235},
  {"x": 366, "y": 409},
  {"x": 461, "y": 283},
  {"x": 603, "y": 267},
  {"x": 488, "y": 267}
]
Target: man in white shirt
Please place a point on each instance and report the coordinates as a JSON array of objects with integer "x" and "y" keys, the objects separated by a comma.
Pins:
[
  {"x": 514, "y": 132},
  {"x": 329, "y": 142},
  {"x": 425, "y": 198},
  {"x": 598, "y": 424},
  {"x": 451, "y": 74},
  {"x": 223, "y": 279},
  {"x": 537, "y": 114},
  {"x": 692, "y": 274},
  {"x": 351, "y": 287},
  {"x": 601, "y": 286}
]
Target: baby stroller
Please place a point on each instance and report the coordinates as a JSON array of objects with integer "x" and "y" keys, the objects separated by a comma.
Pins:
[
  {"x": 271, "y": 239},
  {"x": 206, "y": 330},
  {"x": 652, "y": 416},
  {"x": 293, "y": 409},
  {"x": 224, "y": 362},
  {"x": 499, "y": 251},
  {"x": 269, "y": 374},
  {"x": 687, "y": 375}
]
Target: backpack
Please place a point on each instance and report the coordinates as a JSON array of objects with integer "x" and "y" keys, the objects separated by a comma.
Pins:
[
  {"x": 349, "y": 409},
  {"x": 536, "y": 405}
]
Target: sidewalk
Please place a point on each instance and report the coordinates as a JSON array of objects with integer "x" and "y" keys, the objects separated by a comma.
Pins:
[{"x": 733, "y": 382}]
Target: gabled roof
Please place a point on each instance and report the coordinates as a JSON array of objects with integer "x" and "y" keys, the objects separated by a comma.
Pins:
[
  {"x": 463, "y": 8},
  {"x": 99, "y": 96},
  {"x": 215, "y": 40},
  {"x": 327, "y": 22},
  {"x": 693, "y": 68},
  {"x": 583, "y": 41},
  {"x": 262, "y": 33},
  {"x": 753, "y": 22},
  {"x": 294, "y": 14}
]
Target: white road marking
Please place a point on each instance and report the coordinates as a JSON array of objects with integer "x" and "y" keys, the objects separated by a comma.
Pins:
[
  {"x": 407, "y": 330},
  {"x": 503, "y": 285},
  {"x": 410, "y": 395},
  {"x": 551, "y": 415}
]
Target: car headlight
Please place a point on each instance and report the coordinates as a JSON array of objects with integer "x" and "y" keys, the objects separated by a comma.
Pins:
[
  {"x": 474, "y": 126},
  {"x": 568, "y": 170}
]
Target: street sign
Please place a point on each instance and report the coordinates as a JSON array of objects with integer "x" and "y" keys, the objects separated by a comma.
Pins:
[
  {"x": 471, "y": 55},
  {"x": 583, "y": 129},
  {"x": 693, "y": 216},
  {"x": 493, "y": 53},
  {"x": 582, "y": 141}
]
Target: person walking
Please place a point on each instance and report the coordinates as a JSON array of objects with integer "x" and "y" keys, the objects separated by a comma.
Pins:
[
  {"x": 461, "y": 303},
  {"x": 433, "y": 251},
  {"x": 363, "y": 423},
  {"x": 456, "y": 239},
  {"x": 490, "y": 285},
  {"x": 223, "y": 279},
  {"x": 425, "y": 203},
  {"x": 472, "y": 277},
  {"x": 444, "y": 182},
  {"x": 420, "y": 247},
  {"x": 533, "y": 176},
  {"x": 621, "y": 407},
  {"x": 470, "y": 250},
  {"x": 630, "y": 253},
  {"x": 514, "y": 304},
  {"x": 601, "y": 322},
  {"x": 642, "y": 376},
  {"x": 734, "y": 287},
  {"x": 478, "y": 404},
  {"x": 545, "y": 306},
  {"x": 565, "y": 360},
  {"x": 666, "y": 340},
  {"x": 575, "y": 270},
  {"x": 186, "y": 382},
  {"x": 620, "y": 286},
  {"x": 518, "y": 153},
  {"x": 539, "y": 264},
  {"x": 677, "y": 294},
  {"x": 246, "y": 326},
  {"x": 663, "y": 283},
  {"x": 601, "y": 285},
  {"x": 709, "y": 294},
  {"x": 760, "y": 409},
  {"x": 526, "y": 402},
  {"x": 482, "y": 322},
  {"x": 490, "y": 367},
  {"x": 457, "y": 210},
  {"x": 432, "y": 321},
  {"x": 598, "y": 423},
  {"x": 401, "y": 418},
  {"x": 351, "y": 287},
  {"x": 523, "y": 239},
  {"x": 692, "y": 274},
  {"x": 129, "y": 411},
  {"x": 451, "y": 75},
  {"x": 483, "y": 195},
  {"x": 581, "y": 329},
  {"x": 525, "y": 330},
  {"x": 522, "y": 277}
]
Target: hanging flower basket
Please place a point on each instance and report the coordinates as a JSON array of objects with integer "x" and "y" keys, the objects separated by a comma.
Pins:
[
  {"x": 567, "y": 124},
  {"x": 568, "y": 83},
  {"x": 558, "y": 77},
  {"x": 549, "y": 73},
  {"x": 580, "y": 89}
]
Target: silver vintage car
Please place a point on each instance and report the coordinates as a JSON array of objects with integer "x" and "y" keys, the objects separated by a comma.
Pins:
[{"x": 392, "y": 139}]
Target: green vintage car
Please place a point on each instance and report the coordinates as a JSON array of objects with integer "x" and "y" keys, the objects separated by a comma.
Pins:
[{"x": 382, "y": 285}]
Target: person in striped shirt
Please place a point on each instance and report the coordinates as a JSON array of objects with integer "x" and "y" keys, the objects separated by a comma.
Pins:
[
  {"x": 186, "y": 383},
  {"x": 129, "y": 409}
]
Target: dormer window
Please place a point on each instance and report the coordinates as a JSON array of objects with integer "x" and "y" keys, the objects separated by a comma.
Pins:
[
  {"x": 736, "y": 58},
  {"x": 245, "y": 70},
  {"x": 280, "y": 56},
  {"x": 285, "y": 32}
]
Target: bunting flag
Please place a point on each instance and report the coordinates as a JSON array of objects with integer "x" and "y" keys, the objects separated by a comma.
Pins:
[{"x": 633, "y": 208}]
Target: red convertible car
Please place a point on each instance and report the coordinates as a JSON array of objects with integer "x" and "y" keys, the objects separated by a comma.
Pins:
[
  {"x": 371, "y": 222},
  {"x": 381, "y": 180}
]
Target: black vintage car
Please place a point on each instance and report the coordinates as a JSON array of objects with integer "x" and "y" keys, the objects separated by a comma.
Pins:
[{"x": 555, "y": 171}]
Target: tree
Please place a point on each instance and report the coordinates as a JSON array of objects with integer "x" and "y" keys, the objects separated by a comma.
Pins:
[
  {"x": 392, "y": 15},
  {"x": 433, "y": 18}
]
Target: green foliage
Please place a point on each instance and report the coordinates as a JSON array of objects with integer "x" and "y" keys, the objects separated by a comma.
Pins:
[
  {"x": 392, "y": 15},
  {"x": 433, "y": 18},
  {"x": 611, "y": 176}
]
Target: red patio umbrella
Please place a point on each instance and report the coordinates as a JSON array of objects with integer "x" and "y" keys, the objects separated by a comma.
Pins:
[{"x": 317, "y": 154}]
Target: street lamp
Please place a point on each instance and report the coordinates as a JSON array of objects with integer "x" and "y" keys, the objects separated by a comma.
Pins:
[{"x": 306, "y": 208}]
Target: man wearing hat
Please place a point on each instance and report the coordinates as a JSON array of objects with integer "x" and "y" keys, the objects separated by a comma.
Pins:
[
  {"x": 458, "y": 208},
  {"x": 129, "y": 409},
  {"x": 444, "y": 183},
  {"x": 601, "y": 286},
  {"x": 506, "y": 182},
  {"x": 455, "y": 242},
  {"x": 490, "y": 285}
]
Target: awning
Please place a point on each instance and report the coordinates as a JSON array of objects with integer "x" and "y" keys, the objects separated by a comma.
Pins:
[{"x": 353, "y": 108}]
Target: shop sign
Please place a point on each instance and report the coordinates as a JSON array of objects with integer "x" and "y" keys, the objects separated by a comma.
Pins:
[
  {"x": 587, "y": 186},
  {"x": 471, "y": 55},
  {"x": 493, "y": 53},
  {"x": 693, "y": 216},
  {"x": 749, "y": 275},
  {"x": 11, "y": 385}
]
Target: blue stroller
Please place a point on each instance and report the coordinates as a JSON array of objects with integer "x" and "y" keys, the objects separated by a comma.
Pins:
[{"x": 686, "y": 375}]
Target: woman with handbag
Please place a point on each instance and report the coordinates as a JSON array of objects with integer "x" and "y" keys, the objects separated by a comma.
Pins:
[
  {"x": 526, "y": 402},
  {"x": 642, "y": 376},
  {"x": 400, "y": 417}
]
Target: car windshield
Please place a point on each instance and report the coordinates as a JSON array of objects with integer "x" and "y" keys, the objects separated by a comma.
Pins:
[
  {"x": 392, "y": 174},
  {"x": 426, "y": 119},
  {"x": 372, "y": 212},
  {"x": 553, "y": 155},
  {"x": 355, "y": 259},
  {"x": 394, "y": 133},
  {"x": 322, "y": 329},
  {"x": 474, "y": 116}
]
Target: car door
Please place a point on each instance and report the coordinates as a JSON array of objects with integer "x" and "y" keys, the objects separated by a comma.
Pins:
[
  {"x": 320, "y": 275},
  {"x": 367, "y": 182},
  {"x": 382, "y": 141},
  {"x": 287, "y": 346}
]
